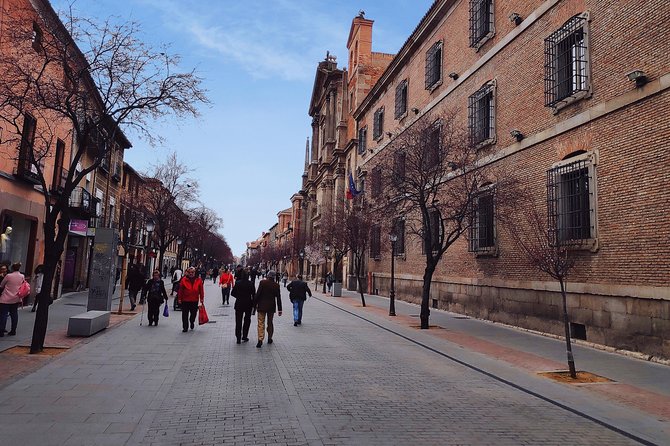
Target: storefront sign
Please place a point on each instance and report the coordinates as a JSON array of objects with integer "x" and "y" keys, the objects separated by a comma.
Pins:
[{"x": 79, "y": 227}]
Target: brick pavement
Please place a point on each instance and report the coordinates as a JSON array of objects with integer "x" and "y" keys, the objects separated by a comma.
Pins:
[{"x": 335, "y": 380}]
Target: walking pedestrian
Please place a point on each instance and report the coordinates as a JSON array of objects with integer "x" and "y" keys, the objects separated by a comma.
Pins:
[
  {"x": 191, "y": 291},
  {"x": 134, "y": 282},
  {"x": 267, "y": 301},
  {"x": 177, "y": 274},
  {"x": 243, "y": 292},
  {"x": 3, "y": 273},
  {"x": 329, "y": 281},
  {"x": 215, "y": 274},
  {"x": 284, "y": 278},
  {"x": 38, "y": 278},
  {"x": 298, "y": 291},
  {"x": 10, "y": 300},
  {"x": 226, "y": 283},
  {"x": 155, "y": 294}
]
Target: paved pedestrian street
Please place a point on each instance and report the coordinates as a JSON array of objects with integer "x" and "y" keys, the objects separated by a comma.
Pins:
[{"x": 346, "y": 376}]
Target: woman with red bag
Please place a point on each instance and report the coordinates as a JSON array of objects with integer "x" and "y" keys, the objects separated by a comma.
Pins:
[
  {"x": 191, "y": 291},
  {"x": 10, "y": 298}
]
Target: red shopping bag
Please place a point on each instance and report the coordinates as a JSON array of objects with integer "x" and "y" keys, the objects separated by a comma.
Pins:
[{"x": 202, "y": 315}]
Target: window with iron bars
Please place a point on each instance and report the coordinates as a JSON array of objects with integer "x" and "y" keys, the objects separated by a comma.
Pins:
[
  {"x": 362, "y": 140},
  {"x": 399, "y": 167},
  {"x": 376, "y": 182},
  {"x": 566, "y": 70},
  {"x": 481, "y": 22},
  {"x": 375, "y": 241},
  {"x": 431, "y": 146},
  {"x": 435, "y": 223},
  {"x": 399, "y": 231},
  {"x": 401, "y": 99},
  {"x": 378, "y": 124},
  {"x": 481, "y": 115},
  {"x": 434, "y": 65},
  {"x": 571, "y": 201},
  {"x": 482, "y": 227}
]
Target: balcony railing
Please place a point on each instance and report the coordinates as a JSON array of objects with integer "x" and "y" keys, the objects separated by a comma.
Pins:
[
  {"x": 27, "y": 171},
  {"x": 82, "y": 201}
]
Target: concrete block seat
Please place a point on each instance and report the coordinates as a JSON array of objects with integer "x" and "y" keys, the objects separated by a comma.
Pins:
[{"x": 88, "y": 324}]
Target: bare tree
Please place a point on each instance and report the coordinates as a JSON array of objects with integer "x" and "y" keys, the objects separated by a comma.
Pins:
[
  {"x": 333, "y": 233},
  {"x": 51, "y": 86},
  {"x": 358, "y": 225},
  {"x": 428, "y": 186},
  {"x": 535, "y": 233},
  {"x": 167, "y": 189}
]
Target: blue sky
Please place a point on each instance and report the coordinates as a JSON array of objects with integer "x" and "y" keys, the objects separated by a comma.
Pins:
[{"x": 258, "y": 60}]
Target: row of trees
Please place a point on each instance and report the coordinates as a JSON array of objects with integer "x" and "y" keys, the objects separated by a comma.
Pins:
[{"x": 440, "y": 186}]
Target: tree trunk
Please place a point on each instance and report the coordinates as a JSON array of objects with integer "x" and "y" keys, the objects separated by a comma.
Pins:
[
  {"x": 358, "y": 263},
  {"x": 44, "y": 300},
  {"x": 566, "y": 323},
  {"x": 425, "y": 296}
]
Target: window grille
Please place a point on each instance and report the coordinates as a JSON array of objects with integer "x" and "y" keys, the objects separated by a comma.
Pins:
[
  {"x": 433, "y": 65},
  {"x": 376, "y": 182},
  {"x": 435, "y": 231},
  {"x": 37, "y": 37},
  {"x": 481, "y": 115},
  {"x": 375, "y": 241},
  {"x": 399, "y": 167},
  {"x": 431, "y": 147},
  {"x": 399, "y": 231},
  {"x": 570, "y": 202},
  {"x": 565, "y": 67},
  {"x": 362, "y": 140},
  {"x": 482, "y": 228},
  {"x": 401, "y": 99},
  {"x": 378, "y": 126},
  {"x": 481, "y": 21}
]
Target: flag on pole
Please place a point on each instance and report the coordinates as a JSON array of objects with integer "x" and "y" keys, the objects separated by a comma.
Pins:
[{"x": 351, "y": 190}]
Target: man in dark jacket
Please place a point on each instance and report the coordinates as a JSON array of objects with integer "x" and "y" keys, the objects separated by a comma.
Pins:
[
  {"x": 243, "y": 292},
  {"x": 134, "y": 283},
  {"x": 298, "y": 291},
  {"x": 268, "y": 300}
]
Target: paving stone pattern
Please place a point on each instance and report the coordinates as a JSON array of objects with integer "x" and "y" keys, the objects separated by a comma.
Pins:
[{"x": 335, "y": 380}]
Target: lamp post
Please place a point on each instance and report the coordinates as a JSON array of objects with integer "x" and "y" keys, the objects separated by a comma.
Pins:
[
  {"x": 179, "y": 253},
  {"x": 327, "y": 249},
  {"x": 394, "y": 238},
  {"x": 302, "y": 257},
  {"x": 150, "y": 226}
]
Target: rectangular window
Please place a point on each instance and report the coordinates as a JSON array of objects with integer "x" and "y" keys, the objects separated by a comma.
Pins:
[
  {"x": 482, "y": 226},
  {"x": 435, "y": 228},
  {"x": 566, "y": 74},
  {"x": 571, "y": 202},
  {"x": 481, "y": 115},
  {"x": 362, "y": 140},
  {"x": 37, "y": 37},
  {"x": 60, "y": 174},
  {"x": 399, "y": 231},
  {"x": 431, "y": 146},
  {"x": 375, "y": 241},
  {"x": 481, "y": 22},
  {"x": 399, "y": 167},
  {"x": 401, "y": 99},
  {"x": 376, "y": 182},
  {"x": 434, "y": 66},
  {"x": 378, "y": 126}
]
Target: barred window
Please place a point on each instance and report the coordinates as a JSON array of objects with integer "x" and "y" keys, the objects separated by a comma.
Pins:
[
  {"x": 401, "y": 99},
  {"x": 37, "y": 37},
  {"x": 399, "y": 167},
  {"x": 434, "y": 65},
  {"x": 482, "y": 227},
  {"x": 481, "y": 115},
  {"x": 571, "y": 201},
  {"x": 362, "y": 140},
  {"x": 378, "y": 126},
  {"x": 481, "y": 22},
  {"x": 375, "y": 241},
  {"x": 435, "y": 227},
  {"x": 399, "y": 231},
  {"x": 431, "y": 146},
  {"x": 376, "y": 182},
  {"x": 566, "y": 74}
]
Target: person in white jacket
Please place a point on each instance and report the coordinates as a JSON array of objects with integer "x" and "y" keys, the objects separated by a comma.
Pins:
[{"x": 9, "y": 299}]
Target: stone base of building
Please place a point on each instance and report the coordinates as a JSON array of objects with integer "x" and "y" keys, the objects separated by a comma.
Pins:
[{"x": 619, "y": 319}]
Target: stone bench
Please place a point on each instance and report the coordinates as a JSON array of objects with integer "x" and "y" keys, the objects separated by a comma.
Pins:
[{"x": 88, "y": 324}]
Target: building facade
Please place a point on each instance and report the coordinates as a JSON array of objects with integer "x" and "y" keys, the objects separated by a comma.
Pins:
[{"x": 570, "y": 97}]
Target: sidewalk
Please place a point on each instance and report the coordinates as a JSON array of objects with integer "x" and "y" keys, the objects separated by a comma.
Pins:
[{"x": 635, "y": 382}]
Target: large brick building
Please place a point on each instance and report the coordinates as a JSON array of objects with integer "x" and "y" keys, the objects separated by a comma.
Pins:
[{"x": 563, "y": 93}]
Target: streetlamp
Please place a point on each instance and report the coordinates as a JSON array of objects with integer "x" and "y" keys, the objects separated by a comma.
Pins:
[
  {"x": 394, "y": 238},
  {"x": 327, "y": 249},
  {"x": 179, "y": 254},
  {"x": 150, "y": 226},
  {"x": 302, "y": 257}
]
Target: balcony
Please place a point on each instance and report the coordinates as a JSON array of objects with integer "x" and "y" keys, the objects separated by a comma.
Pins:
[
  {"x": 82, "y": 202},
  {"x": 26, "y": 171},
  {"x": 116, "y": 174},
  {"x": 58, "y": 185}
]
